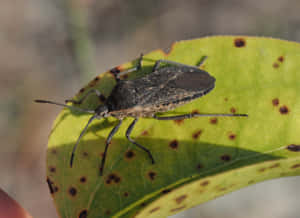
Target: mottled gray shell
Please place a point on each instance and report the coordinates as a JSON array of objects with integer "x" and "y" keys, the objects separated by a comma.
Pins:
[{"x": 159, "y": 91}]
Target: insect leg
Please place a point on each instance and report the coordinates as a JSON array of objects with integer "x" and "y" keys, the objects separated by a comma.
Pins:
[
  {"x": 128, "y": 132},
  {"x": 92, "y": 91},
  {"x": 187, "y": 116},
  {"x": 157, "y": 64},
  {"x": 137, "y": 67},
  {"x": 203, "y": 59},
  {"x": 80, "y": 136},
  {"x": 108, "y": 140}
]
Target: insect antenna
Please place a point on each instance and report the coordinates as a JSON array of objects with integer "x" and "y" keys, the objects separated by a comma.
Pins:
[
  {"x": 73, "y": 108},
  {"x": 64, "y": 105}
]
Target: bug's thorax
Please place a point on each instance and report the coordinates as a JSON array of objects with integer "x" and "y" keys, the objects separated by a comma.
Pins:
[{"x": 102, "y": 111}]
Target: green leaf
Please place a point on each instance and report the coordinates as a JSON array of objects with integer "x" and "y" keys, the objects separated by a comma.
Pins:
[{"x": 197, "y": 159}]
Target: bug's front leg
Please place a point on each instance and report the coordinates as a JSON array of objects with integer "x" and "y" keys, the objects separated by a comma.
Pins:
[
  {"x": 108, "y": 140},
  {"x": 80, "y": 136},
  {"x": 92, "y": 91},
  {"x": 136, "y": 68},
  {"x": 128, "y": 132}
]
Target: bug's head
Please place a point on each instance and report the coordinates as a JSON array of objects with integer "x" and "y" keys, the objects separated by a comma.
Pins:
[{"x": 102, "y": 111}]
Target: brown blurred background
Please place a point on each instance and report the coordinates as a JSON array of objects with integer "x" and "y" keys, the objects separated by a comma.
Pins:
[{"x": 49, "y": 49}]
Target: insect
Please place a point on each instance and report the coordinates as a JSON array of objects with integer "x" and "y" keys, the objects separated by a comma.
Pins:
[{"x": 164, "y": 89}]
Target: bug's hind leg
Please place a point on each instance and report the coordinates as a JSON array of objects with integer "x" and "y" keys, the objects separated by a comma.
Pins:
[
  {"x": 108, "y": 140},
  {"x": 92, "y": 91},
  {"x": 136, "y": 68},
  {"x": 191, "y": 115},
  {"x": 128, "y": 132},
  {"x": 157, "y": 64},
  {"x": 203, "y": 59}
]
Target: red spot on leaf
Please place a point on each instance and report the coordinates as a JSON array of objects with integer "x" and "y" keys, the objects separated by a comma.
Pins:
[{"x": 240, "y": 42}]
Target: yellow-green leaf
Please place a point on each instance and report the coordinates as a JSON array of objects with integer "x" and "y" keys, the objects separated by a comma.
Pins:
[{"x": 197, "y": 159}]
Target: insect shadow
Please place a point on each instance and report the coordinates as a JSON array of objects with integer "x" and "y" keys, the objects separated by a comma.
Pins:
[
  {"x": 198, "y": 157},
  {"x": 164, "y": 89}
]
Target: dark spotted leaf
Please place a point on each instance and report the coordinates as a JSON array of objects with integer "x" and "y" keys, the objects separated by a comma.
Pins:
[{"x": 197, "y": 159}]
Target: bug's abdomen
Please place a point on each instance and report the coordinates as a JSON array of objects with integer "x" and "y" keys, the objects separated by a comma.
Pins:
[{"x": 139, "y": 111}]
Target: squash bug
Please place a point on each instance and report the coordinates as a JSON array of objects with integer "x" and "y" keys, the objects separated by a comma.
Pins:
[{"x": 164, "y": 89}]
